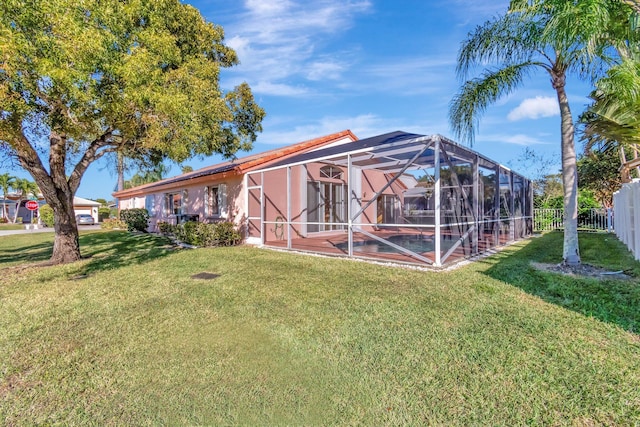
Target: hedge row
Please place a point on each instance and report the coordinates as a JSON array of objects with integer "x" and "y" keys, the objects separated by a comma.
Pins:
[{"x": 201, "y": 234}]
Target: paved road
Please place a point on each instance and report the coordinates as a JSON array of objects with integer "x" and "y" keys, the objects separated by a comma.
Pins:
[{"x": 44, "y": 230}]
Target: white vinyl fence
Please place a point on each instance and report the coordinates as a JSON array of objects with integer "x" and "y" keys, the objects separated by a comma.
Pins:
[
  {"x": 626, "y": 207},
  {"x": 588, "y": 219}
]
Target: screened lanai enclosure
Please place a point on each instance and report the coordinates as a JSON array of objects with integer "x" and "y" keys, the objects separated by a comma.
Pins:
[{"x": 397, "y": 197}]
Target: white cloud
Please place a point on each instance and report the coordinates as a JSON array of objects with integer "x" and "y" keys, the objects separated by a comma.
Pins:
[
  {"x": 327, "y": 70},
  {"x": 417, "y": 75},
  {"x": 364, "y": 124},
  {"x": 268, "y": 7},
  {"x": 535, "y": 108},
  {"x": 516, "y": 139},
  {"x": 277, "y": 41},
  {"x": 277, "y": 89},
  {"x": 282, "y": 131}
]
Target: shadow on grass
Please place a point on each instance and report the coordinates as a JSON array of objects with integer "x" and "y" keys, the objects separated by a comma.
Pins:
[
  {"x": 101, "y": 250},
  {"x": 26, "y": 254},
  {"x": 116, "y": 249},
  {"x": 612, "y": 301}
]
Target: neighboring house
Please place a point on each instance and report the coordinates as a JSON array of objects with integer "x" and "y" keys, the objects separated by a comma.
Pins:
[
  {"x": 395, "y": 197},
  {"x": 14, "y": 200},
  {"x": 86, "y": 206},
  {"x": 80, "y": 206}
]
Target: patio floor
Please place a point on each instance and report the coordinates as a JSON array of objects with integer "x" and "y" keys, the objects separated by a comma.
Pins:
[{"x": 336, "y": 243}]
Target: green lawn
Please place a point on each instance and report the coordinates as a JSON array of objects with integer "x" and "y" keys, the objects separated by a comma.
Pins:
[
  {"x": 129, "y": 337},
  {"x": 9, "y": 226}
]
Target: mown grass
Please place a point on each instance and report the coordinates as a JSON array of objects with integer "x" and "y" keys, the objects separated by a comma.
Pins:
[
  {"x": 9, "y": 226},
  {"x": 614, "y": 301},
  {"x": 128, "y": 337}
]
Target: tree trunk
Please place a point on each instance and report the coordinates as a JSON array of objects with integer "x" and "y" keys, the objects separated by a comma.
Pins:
[
  {"x": 66, "y": 245},
  {"x": 17, "y": 212},
  {"x": 120, "y": 169},
  {"x": 571, "y": 251}
]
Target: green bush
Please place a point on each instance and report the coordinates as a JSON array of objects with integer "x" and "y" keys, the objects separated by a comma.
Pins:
[
  {"x": 113, "y": 223},
  {"x": 136, "y": 219},
  {"x": 103, "y": 213},
  {"x": 201, "y": 234},
  {"x": 165, "y": 227},
  {"x": 226, "y": 234},
  {"x": 46, "y": 215}
]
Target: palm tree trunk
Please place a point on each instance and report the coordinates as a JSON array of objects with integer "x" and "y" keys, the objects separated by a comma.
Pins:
[
  {"x": 571, "y": 251},
  {"x": 120, "y": 170},
  {"x": 15, "y": 215}
]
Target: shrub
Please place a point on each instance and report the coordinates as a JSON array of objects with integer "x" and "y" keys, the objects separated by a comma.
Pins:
[
  {"x": 165, "y": 227},
  {"x": 226, "y": 234},
  {"x": 4, "y": 220},
  {"x": 136, "y": 219},
  {"x": 103, "y": 213},
  {"x": 200, "y": 234},
  {"x": 114, "y": 223},
  {"x": 46, "y": 215}
]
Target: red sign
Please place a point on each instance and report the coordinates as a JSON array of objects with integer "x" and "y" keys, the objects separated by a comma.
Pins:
[{"x": 31, "y": 205}]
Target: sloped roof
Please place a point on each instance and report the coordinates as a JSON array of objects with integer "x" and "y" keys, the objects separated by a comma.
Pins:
[
  {"x": 240, "y": 166},
  {"x": 372, "y": 142},
  {"x": 79, "y": 201}
]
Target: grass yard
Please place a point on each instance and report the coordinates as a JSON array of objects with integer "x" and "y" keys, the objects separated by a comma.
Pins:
[
  {"x": 9, "y": 226},
  {"x": 132, "y": 336}
]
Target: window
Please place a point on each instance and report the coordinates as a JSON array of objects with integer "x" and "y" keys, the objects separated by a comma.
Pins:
[
  {"x": 326, "y": 206},
  {"x": 331, "y": 172},
  {"x": 173, "y": 203},
  {"x": 215, "y": 201},
  {"x": 387, "y": 209},
  {"x": 150, "y": 205}
]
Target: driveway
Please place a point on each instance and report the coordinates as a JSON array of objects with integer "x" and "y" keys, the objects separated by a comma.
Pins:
[{"x": 46, "y": 230}]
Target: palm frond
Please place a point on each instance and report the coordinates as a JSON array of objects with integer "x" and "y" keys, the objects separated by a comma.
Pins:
[
  {"x": 470, "y": 103},
  {"x": 507, "y": 40},
  {"x": 592, "y": 34}
]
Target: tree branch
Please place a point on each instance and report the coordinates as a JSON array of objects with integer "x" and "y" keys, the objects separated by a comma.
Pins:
[
  {"x": 89, "y": 156},
  {"x": 31, "y": 162}
]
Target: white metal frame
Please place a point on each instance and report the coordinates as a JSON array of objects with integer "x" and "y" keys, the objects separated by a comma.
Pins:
[{"x": 388, "y": 158}]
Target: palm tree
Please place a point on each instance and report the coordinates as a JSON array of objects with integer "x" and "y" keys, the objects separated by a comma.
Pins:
[
  {"x": 25, "y": 188},
  {"x": 555, "y": 36},
  {"x": 612, "y": 121},
  {"x": 6, "y": 181}
]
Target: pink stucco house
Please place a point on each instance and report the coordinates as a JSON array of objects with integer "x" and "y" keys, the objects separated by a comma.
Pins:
[
  {"x": 213, "y": 193},
  {"x": 397, "y": 197}
]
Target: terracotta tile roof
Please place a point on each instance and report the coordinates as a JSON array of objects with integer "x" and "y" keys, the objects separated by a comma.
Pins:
[{"x": 238, "y": 166}]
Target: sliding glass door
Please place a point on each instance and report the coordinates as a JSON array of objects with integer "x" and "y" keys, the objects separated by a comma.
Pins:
[{"x": 326, "y": 207}]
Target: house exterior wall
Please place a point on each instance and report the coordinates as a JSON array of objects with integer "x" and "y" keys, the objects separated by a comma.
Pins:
[
  {"x": 278, "y": 189},
  {"x": 193, "y": 199}
]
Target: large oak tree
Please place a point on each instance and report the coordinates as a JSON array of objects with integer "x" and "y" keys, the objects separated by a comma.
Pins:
[{"x": 80, "y": 79}]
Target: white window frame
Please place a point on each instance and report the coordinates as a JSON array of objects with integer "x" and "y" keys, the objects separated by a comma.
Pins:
[
  {"x": 150, "y": 204},
  {"x": 331, "y": 172},
  {"x": 222, "y": 211},
  {"x": 170, "y": 203}
]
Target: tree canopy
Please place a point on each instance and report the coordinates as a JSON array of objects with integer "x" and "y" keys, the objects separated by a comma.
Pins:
[
  {"x": 599, "y": 172},
  {"x": 82, "y": 79}
]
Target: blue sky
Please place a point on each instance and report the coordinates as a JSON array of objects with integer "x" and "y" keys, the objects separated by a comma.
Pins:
[{"x": 372, "y": 66}]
